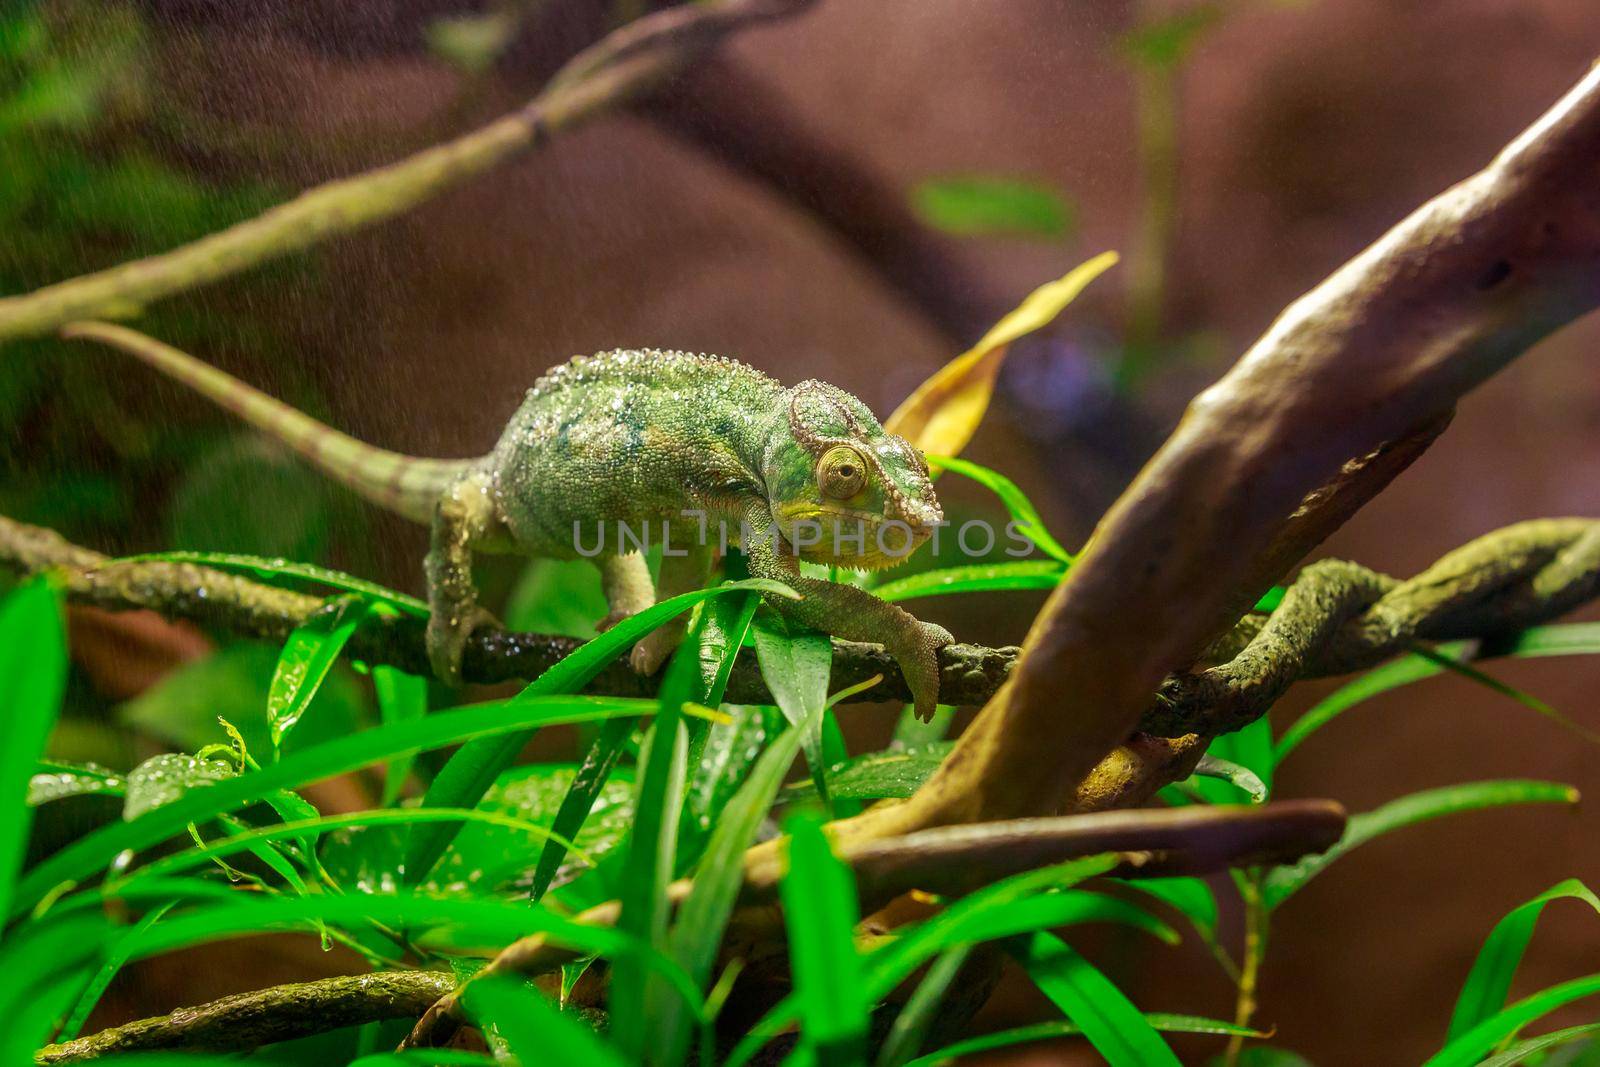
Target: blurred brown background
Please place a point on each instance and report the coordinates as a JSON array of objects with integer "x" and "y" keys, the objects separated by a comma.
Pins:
[{"x": 759, "y": 211}]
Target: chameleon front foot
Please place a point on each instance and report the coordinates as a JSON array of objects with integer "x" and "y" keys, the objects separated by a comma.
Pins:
[
  {"x": 447, "y": 640},
  {"x": 917, "y": 653}
]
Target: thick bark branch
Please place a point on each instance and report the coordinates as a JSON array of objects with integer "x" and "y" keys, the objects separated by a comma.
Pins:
[
  {"x": 251, "y": 1020},
  {"x": 1384, "y": 346},
  {"x": 629, "y": 62}
]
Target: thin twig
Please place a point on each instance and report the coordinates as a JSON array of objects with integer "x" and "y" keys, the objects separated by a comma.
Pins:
[{"x": 623, "y": 65}]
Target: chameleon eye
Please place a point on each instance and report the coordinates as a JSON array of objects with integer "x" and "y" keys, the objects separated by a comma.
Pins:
[{"x": 842, "y": 472}]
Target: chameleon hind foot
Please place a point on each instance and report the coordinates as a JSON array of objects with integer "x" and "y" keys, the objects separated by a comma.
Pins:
[
  {"x": 916, "y": 650},
  {"x": 447, "y": 640}
]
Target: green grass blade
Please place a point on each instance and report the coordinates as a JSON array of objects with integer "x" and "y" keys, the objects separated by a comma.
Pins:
[
  {"x": 85, "y": 857},
  {"x": 647, "y": 872},
  {"x": 697, "y": 932},
  {"x": 593, "y": 773},
  {"x": 1469, "y": 1048},
  {"x": 1283, "y": 882},
  {"x": 463, "y": 781},
  {"x": 535, "y": 1030},
  {"x": 974, "y": 578},
  {"x": 913, "y": 1021},
  {"x": 33, "y": 669},
  {"x": 1490, "y": 682},
  {"x": 401, "y": 697},
  {"x": 433, "y": 1057},
  {"x": 1110, "y": 1022},
  {"x": 1168, "y": 1024},
  {"x": 1563, "y": 639},
  {"x": 820, "y": 911},
  {"x": 1523, "y": 1050},
  {"x": 308, "y": 655},
  {"x": 1016, "y": 502},
  {"x": 1489, "y": 981},
  {"x": 283, "y": 572},
  {"x": 1250, "y": 748},
  {"x": 116, "y": 957}
]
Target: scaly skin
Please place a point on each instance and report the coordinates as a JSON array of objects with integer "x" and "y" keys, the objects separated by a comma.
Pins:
[{"x": 640, "y": 438}]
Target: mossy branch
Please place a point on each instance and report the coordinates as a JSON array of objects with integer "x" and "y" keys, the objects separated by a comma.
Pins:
[
  {"x": 250, "y": 1020},
  {"x": 1337, "y": 617},
  {"x": 628, "y": 62}
]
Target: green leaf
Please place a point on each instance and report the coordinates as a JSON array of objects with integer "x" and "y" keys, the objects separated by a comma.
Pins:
[
  {"x": 88, "y": 854},
  {"x": 973, "y": 578},
  {"x": 462, "y": 782},
  {"x": 1523, "y": 1050},
  {"x": 1565, "y": 639},
  {"x": 1283, "y": 882},
  {"x": 232, "y": 683},
  {"x": 163, "y": 779},
  {"x": 697, "y": 932},
  {"x": 983, "y": 205},
  {"x": 796, "y": 664},
  {"x": 820, "y": 911},
  {"x": 1022, "y": 1035},
  {"x": 307, "y": 657},
  {"x": 56, "y": 780},
  {"x": 284, "y": 572},
  {"x": 1015, "y": 500},
  {"x": 1116, "y": 1029},
  {"x": 1469, "y": 1048},
  {"x": 1190, "y": 897},
  {"x": 876, "y": 775},
  {"x": 535, "y": 1030},
  {"x": 1488, "y": 681},
  {"x": 401, "y": 697},
  {"x": 730, "y": 751},
  {"x": 33, "y": 668},
  {"x": 1490, "y": 979},
  {"x": 1241, "y": 778}
]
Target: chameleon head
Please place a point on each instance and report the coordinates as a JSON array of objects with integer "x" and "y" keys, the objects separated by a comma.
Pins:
[{"x": 842, "y": 488}]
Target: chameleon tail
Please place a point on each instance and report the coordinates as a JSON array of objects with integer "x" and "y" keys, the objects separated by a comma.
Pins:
[{"x": 405, "y": 485}]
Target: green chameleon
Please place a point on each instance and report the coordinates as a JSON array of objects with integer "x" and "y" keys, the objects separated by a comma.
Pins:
[{"x": 637, "y": 438}]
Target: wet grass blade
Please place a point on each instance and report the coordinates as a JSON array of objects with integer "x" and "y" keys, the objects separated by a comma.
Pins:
[
  {"x": 463, "y": 781},
  {"x": 598, "y": 763},
  {"x": 1282, "y": 882},
  {"x": 88, "y": 855},
  {"x": 821, "y": 911},
  {"x": 116, "y": 957},
  {"x": 1489, "y": 981},
  {"x": 912, "y": 1023},
  {"x": 33, "y": 669},
  {"x": 974, "y": 578},
  {"x": 1117, "y": 1029}
]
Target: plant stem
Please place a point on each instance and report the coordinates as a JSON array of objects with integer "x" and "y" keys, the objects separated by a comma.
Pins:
[{"x": 1255, "y": 949}]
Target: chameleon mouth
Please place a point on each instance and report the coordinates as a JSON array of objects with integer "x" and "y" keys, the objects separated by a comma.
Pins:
[{"x": 849, "y": 537}]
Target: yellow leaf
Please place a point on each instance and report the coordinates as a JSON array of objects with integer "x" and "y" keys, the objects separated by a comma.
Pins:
[{"x": 944, "y": 412}]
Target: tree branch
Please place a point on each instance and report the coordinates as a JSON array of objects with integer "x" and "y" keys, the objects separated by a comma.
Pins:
[
  {"x": 1386, "y": 345},
  {"x": 628, "y": 62},
  {"x": 249, "y": 1020}
]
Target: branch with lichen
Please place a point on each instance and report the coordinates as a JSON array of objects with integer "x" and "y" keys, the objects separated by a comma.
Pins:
[
  {"x": 250, "y": 1020},
  {"x": 1337, "y": 617},
  {"x": 622, "y": 66}
]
